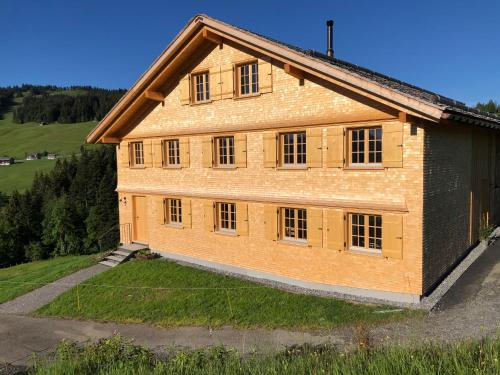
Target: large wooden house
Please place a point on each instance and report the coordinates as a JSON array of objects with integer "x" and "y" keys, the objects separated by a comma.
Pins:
[{"x": 244, "y": 154}]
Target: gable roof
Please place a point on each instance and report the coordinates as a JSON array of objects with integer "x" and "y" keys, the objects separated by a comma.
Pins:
[{"x": 390, "y": 91}]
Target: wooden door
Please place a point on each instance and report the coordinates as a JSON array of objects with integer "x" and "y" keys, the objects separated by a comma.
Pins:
[{"x": 140, "y": 219}]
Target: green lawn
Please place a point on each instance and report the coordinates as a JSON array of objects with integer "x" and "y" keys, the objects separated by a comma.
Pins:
[
  {"x": 36, "y": 274},
  {"x": 18, "y": 139},
  {"x": 204, "y": 298}
]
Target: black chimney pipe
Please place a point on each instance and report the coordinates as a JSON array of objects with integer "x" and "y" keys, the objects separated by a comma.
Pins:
[{"x": 329, "y": 38}]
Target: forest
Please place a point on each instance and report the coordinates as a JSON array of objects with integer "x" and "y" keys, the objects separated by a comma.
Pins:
[{"x": 70, "y": 210}]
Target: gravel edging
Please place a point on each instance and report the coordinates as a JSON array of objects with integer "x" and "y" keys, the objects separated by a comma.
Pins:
[{"x": 430, "y": 301}]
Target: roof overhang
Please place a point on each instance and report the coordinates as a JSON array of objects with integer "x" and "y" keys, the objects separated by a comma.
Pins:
[{"x": 165, "y": 72}]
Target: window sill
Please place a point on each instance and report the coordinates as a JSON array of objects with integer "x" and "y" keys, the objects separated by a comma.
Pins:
[
  {"x": 248, "y": 96},
  {"x": 292, "y": 168},
  {"x": 224, "y": 167},
  {"x": 172, "y": 167},
  {"x": 293, "y": 242},
  {"x": 376, "y": 167},
  {"x": 172, "y": 225},
  {"x": 201, "y": 103},
  {"x": 362, "y": 251},
  {"x": 226, "y": 233},
  {"x": 137, "y": 167}
]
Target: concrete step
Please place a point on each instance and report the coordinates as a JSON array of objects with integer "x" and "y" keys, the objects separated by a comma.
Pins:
[
  {"x": 108, "y": 263},
  {"x": 124, "y": 253},
  {"x": 116, "y": 258},
  {"x": 133, "y": 247}
]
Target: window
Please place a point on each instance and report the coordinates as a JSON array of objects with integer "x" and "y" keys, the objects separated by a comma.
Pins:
[
  {"x": 224, "y": 151},
  {"x": 366, "y": 146},
  {"x": 173, "y": 214},
  {"x": 226, "y": 217},
  {"x": 294, "y": 224},
  {"x": 172, "y": 155},
  {"x": 248, "y": 75},
  {"x": 366, "y": 232},
  {"x": 137, "y": 154},
  {"x": 293, "y": 149},
  {"x": 201, "y": 87}
]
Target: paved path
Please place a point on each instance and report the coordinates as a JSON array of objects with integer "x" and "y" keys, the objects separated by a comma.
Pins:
[
  {"x": 37, "y": 298},
  {"x": 470, "y": 309}
]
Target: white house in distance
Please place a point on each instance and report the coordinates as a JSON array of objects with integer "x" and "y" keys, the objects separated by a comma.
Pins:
[
  {"x": 6, "y": 160},
  {"x": 32, "y": 156}
]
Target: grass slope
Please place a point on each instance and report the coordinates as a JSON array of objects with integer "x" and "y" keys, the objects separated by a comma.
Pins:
[
  {"x": 115, "y": 356},
  {"x": 18, "y": 139},
  {"x": 218, "y": 300},
  {"x": 39, "y": 273}
]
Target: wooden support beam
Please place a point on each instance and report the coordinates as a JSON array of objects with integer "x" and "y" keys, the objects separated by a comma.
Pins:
[
  {"x": 294, "y": 72},
  {"x": 403, "y": 117},
  {"x": 211, "y": 36},
  {"x": 110, "y": 140},
  {"x": 154, "y": 95}
]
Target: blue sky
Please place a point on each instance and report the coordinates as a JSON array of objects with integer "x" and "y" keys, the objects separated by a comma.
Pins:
[{"x": 451, "y": 47}]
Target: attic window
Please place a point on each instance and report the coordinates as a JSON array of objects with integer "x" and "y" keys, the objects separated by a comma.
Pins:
[
  {"x": 201, "y": 87},
  {"x": 248, "y": 78}
]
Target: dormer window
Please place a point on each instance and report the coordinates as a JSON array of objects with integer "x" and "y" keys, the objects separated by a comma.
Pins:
[
  {"x": 201, "y": 87},
  {"x": 248, "y": 78}
]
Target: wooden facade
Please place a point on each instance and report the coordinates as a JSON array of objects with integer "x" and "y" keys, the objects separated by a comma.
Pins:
[{"x": 235, "y": 153}]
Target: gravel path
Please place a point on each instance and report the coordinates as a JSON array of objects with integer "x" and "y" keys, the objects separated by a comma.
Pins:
[
  {"x": 37, "y": 298},
  {"x": 471, "y": 308}
]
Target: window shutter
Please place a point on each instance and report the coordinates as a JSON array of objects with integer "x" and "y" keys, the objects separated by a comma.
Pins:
[
  {"x": 148, "y": 153},
  {"x": 184, "y": 152},
  {"x": 269, "y": 142},
  {"x": 392, "y": 145},
  {"x": 124, "y": 154},
  {"x": 214, "y": 83},
  {"x": 271, "y": 222},
  {"x": 314, "y": 149},
  {"x": 207, "y": 152},
  {"x": 208, "y": 216},
  {"x": 336, "y": 229},
  {"x": 335, "y": 147},
  {"x": 227, "y": 81},
  {"x": 160, "y": 209},
  {"x": 315, "y": 227},
  {"x": 265, "y": 77},
  {"x": 186, "y": 213},
  {"x": 240, "y": 141},
  {"x": 157, "y": 153},
  {"x": 185, "y": 91},
  {"x": 242, "y": 219},
  {"x": 392, "y": 236}
]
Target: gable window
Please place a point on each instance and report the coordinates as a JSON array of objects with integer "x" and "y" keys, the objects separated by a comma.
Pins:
[
  {"x": 173, "y": 214},
  {"x": 365, "y": 146},
  {"x": 366, "y": 232},
  {"x": 248, "y": 77},
  {"x": 201, "y": 87},
  {"x": 293, "y": 224},
  {"x": 226, "y": 217},
  {"x": 136, "y": 154},
  {"x": 224, "y": 151},
  {"x": 293, "y": 149},
  {"x": 172, "y": 155}
]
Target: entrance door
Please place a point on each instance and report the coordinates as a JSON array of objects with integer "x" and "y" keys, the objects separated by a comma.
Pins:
[{"x": 140, "y": 220}]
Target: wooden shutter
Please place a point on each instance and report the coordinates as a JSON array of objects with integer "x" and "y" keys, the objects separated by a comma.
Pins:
[
  {"x": 186, "y": 213},
  {"x": 392, "y": 236},
  {"x": 265, "y": 77},
  {"x": 315, "y": 227},
  {"x": 314, "y": 143},
  {"x": 240, "y": 142},
  {"x": 214, "y": 83},
  {"x": 124, "y": 154},
  {"x": 392, "y": 145},
  {"x": 185, "y": 90},
  {"x": 242, "y": 219},
  {"x": 336, "y": 229},
  {"x": 160, "y": 209},
  {"x": 271, "y": 222},
  {"x": 148, "y": 153},
  {"x": 184, "y": 152},
  {"x": 208, "y": 216},
  {"x": 269, "y": 143},
  {"x": 157, "y": 153},
  {"x": 227, "y": 81},
  {"x": 335, "y": 147},
  {"x": 207, "y": 152}
]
